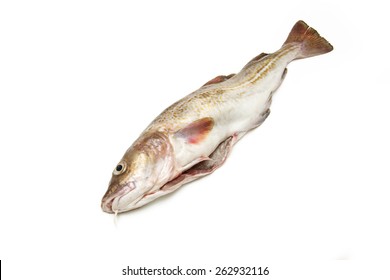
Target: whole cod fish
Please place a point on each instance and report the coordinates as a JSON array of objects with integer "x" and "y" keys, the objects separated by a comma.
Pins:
[{"x": 194, "y": 136}]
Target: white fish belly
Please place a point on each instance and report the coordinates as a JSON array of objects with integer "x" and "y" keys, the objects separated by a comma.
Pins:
[
  {"x": 241, "y": 111},
  {"x": 247, "y": 109}
]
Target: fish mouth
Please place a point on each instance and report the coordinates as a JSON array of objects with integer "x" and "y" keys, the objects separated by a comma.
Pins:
[
  {"x": 112, "y": 204},
  {"x": 113, "y": 200}
]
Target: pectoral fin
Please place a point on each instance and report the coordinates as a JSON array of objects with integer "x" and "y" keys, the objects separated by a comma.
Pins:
[{"x": 196, "y": 131}]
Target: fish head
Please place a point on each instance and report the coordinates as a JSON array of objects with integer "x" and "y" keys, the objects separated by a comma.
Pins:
[{"x": 146, "y": 166}]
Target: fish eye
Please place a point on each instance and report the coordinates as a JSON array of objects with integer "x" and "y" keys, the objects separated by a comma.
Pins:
[{"x": 120, "y": 168}]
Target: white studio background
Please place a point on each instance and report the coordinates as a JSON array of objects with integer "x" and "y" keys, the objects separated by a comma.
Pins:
[{"x": 305, "y": 194}]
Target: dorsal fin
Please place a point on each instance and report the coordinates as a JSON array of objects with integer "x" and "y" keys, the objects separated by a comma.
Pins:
[
  {"x": 260, "y": 56},
  {"x": 196, "y": 131},
  {"x": 218, "y": 79},
  {"x": 256, "y": 58}
]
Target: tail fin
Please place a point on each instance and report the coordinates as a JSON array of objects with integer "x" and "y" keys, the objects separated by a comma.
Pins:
[{"x": 310, "y": 41}]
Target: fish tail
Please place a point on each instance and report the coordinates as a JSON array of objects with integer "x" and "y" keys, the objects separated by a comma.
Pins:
[{"x": 311, "y": 43}]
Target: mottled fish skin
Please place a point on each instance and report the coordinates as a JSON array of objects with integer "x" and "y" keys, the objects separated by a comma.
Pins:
[{"x": 194, "y": 136}]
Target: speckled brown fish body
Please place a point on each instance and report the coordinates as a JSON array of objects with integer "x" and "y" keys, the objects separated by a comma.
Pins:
[{"x": 194, "y": 136}]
